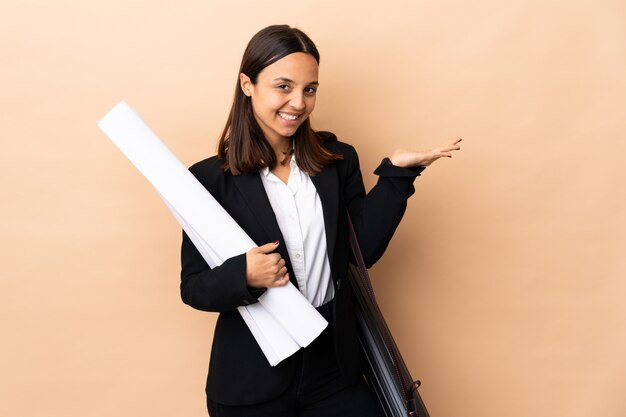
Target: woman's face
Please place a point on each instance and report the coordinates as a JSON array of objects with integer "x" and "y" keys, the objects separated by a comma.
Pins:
[{"x": 284, "y": 95}]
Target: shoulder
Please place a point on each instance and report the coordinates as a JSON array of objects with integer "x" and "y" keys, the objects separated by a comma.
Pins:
[
  {"x": 209, "y": 172},
  {"x": 332, "y": 143},
  {"x": 209, "y": 166}
]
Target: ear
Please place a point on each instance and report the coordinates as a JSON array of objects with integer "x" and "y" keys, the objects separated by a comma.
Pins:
[{"x": 246, "y": 84}]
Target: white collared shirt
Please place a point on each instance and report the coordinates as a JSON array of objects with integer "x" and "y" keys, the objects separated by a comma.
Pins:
[{"x": 298, "y": 210}]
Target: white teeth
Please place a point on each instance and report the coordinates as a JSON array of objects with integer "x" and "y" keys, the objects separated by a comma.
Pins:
[{"x": 287, "y": 116}]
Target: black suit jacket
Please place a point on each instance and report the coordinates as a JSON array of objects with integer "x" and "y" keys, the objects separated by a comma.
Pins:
[{"x": 239, "y": 373}]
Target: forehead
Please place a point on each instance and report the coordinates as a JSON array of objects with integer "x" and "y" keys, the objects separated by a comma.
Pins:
[{"x": 299, "y": 67}]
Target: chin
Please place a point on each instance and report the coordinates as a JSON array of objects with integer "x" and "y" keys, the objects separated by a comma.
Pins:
[{"x": 288, "y": 132}]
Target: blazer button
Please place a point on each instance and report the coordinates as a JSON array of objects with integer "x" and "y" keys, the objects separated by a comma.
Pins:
[{"x": 338, "y": 283}]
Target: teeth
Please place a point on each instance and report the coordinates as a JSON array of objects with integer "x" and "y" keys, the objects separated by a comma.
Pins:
[{"x": 287, "y": 116}]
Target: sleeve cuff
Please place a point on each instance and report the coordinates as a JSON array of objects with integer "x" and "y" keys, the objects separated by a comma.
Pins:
[
  {"x": 256, "y": 292},
  {"x": 251, "y": 294},
  {"x": 387, "y": 169}
]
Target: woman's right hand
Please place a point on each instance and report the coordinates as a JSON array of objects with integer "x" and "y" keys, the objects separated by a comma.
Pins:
[{"x": 265, "y": 269}]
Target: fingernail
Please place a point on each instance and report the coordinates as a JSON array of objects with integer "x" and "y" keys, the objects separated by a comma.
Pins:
[{"x": 276, "y": 242}]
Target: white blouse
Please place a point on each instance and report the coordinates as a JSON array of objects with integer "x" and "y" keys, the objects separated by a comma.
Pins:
[{"x": 298, "y": 211}]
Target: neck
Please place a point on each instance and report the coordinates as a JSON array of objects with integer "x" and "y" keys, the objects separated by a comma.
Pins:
[{"x": 282, "y": 146}]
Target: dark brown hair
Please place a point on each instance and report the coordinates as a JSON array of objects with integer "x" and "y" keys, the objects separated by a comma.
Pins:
[{"x": 243, "y": 145}]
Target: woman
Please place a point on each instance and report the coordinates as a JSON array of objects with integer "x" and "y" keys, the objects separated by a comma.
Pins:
[{"x": 288, "y": 187}]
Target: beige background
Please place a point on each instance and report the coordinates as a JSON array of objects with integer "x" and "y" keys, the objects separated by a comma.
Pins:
[{"x": 504, "y": 285}]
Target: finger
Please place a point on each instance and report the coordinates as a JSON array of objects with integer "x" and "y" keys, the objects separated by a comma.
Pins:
[
  {"x": 456, "y": 139},
  {"x": 453, "y": 146},
  {"x": 278, "y": 270},
  {"x": 268, "y": 247},
  {"x": 449, "y": 148},
  {"x": 275, "y": 258},
  {"x": 444, "y": 155},
  {"x": 280, "y": 281},
  {"x": 438, "y": 153}
]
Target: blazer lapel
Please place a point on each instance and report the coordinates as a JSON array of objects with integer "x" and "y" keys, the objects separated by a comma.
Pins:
[
  {"x": 251, "y": 188},
  {"x": 327, "y": 185}
]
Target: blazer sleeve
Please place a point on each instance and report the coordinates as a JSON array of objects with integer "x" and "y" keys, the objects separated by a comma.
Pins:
[
  {"x": 377, "y": 214},
  {"x": 220, "y": 289}
]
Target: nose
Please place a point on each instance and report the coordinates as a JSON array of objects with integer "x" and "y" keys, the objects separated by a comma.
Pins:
[{"x": 297, "y": 101}]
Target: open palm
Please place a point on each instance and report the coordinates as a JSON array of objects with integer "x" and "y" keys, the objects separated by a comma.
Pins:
[{"x": 407, "y": 158}]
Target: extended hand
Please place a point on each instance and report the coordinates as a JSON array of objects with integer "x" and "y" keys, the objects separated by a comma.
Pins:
[
  {"x": 405, "y": 158},
  {"x": 265, "y": 269}
]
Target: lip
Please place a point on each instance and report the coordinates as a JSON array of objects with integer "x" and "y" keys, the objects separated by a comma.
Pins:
[{"x": 289, "y": 122}]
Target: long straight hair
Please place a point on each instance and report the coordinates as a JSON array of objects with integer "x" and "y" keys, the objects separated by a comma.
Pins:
[{"x": 242, "y": 144}]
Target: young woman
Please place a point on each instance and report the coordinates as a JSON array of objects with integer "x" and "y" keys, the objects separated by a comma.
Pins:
[{"x": 288, "y": 187}]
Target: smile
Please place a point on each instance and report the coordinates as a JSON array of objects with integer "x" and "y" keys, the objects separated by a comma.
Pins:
[{"x": 290, "y": 117}]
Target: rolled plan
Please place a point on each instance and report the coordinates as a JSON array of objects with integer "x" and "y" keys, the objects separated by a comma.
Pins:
[{"x": 216, "y": 236}]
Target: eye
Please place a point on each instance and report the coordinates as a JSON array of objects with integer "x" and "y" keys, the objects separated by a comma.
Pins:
[
  {"x": 310, "y": 90},
  {"x": 283, "y": 87}
]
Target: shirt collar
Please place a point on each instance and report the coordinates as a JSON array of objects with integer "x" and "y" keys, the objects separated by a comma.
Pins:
[{"x": 292, "y": 164}]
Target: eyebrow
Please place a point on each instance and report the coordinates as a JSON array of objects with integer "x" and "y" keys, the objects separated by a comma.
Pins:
[{"x": 285, "y": 79}]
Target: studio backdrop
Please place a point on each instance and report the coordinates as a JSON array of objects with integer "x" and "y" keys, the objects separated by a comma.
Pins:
[{"x": 503, "y": 285}]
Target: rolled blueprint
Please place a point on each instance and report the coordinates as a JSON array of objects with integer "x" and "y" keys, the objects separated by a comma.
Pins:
[{"x": 283, "y": 320}]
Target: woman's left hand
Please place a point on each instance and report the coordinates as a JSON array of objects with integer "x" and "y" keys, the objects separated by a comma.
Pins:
[{"x": 405, "y": 158}]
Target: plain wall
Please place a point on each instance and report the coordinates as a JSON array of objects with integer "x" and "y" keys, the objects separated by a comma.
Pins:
[{"x": 503, "y": 285}]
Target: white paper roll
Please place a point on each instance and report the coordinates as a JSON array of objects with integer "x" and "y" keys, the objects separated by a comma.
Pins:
[{"x": 283, "y": 320}]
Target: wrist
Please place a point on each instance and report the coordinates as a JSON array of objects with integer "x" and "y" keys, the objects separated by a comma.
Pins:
[{"x": 392, "y": 161}]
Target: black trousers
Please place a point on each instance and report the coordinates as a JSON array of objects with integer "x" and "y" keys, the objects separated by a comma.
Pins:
[
  {"x": 317, "y": 389},
  {"x": 353, "y": 401}
]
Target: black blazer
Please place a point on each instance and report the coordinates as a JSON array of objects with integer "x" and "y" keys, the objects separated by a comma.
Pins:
[{"x": 239, "y": 373}]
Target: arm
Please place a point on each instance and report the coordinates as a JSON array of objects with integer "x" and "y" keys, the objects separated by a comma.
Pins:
[
  {"x": 239, "y": 281},
  {"x": 222, "y": 288},
  {"x": 376, "y": 215}
]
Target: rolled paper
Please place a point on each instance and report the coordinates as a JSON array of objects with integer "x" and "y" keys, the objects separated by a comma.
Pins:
[{"x": 283, "y": 320}]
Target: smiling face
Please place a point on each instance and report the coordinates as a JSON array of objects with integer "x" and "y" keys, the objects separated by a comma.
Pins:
[{"x": 284, "y": 95}]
